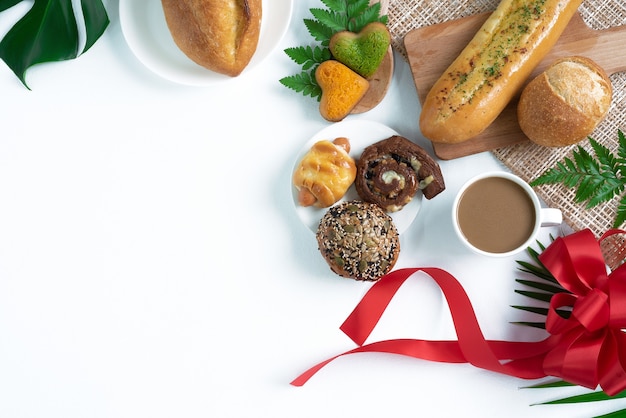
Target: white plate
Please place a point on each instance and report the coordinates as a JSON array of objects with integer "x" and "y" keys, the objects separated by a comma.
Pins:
[
  {"x": 146, "y": 32},
  {"x": 361, "y": 134}
]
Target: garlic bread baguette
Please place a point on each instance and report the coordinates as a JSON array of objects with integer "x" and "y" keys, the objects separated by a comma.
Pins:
[
  {"x": 221, "y": 35},
  {"x": 493, "y": 68}
]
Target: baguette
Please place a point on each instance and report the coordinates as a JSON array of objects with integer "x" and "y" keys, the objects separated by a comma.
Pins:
[
  {"x": 493, "y": 68},
  {"x": 221, "y": 35}
]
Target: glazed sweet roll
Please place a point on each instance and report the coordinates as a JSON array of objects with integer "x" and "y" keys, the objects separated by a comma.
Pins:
[{"x": 325, "y": 173}]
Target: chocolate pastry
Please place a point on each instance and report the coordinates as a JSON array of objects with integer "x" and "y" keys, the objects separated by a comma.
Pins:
[
  {"x": 358, "y": 240},
  {"x": 391, "y": 171}
]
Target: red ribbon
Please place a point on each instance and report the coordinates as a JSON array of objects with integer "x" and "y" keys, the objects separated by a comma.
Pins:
[{"x": 588, "y": 348}]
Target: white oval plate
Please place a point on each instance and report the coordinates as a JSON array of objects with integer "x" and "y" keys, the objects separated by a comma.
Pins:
[
  {"x": 361, "y": 134},
  {"x": 146, "y": 32}
]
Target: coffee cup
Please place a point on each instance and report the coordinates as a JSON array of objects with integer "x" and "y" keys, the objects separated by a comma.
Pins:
[{"x": 498, "y": 214}]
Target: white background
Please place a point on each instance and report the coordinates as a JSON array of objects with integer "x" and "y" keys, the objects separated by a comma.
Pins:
[{"x": 152, "y": 264}]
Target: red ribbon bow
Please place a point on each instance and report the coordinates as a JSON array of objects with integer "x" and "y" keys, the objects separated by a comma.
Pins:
[
  {"x": 587, "y": 347},
  {"x": 592, "y": 345}
]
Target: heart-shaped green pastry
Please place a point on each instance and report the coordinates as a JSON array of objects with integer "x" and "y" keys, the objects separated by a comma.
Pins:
[{"x": 364, "y": 51}]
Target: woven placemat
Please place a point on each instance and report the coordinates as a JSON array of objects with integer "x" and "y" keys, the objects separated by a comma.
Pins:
[{"x": 528, "y": 160}]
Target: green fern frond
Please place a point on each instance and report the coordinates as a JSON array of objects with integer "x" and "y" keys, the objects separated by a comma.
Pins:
[
  {"x": 303, "y": 83},
  {"x": 598, "y": 178}
]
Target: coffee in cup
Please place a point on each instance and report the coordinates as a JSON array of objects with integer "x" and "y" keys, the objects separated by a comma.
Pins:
[{"x": 499, "y": 214}]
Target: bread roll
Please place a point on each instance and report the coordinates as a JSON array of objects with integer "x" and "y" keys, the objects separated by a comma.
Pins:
[
  {"x": 493, "y": 68},
  {"x": 221, "y": 35},
  {"x": 358, "y": 240},
  {"x": 565, "y": 103},
  {"x": 325, "y": 173}
]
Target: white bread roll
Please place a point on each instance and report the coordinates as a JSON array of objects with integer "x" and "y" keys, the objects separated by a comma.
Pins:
[
  {"x": 221, "y": 35},
  {"x": 565, "y": 103}
]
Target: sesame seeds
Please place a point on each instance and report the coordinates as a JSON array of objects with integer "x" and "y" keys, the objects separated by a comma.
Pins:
[{"x": 358, "y": 240}]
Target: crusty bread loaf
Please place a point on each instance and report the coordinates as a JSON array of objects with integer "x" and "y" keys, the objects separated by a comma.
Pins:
[
  {"x": 221, "y": 35},
  {"x": 493, "y": 68},
  {"x": 565, "y": 103}
]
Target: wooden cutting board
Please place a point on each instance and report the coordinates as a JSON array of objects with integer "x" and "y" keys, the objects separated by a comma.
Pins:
[{"x": 430, "y": 50}]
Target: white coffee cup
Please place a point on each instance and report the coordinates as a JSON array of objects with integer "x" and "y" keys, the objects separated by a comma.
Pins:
[{"x": 498, "y": 214}]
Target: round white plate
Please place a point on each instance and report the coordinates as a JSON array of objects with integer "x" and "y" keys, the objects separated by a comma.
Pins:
[
  {"x": 146, "y": 32},
  {"x": 361, "y": 134}
]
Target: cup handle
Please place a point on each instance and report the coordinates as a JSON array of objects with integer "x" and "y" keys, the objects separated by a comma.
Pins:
[{"x": 551, "y": 217}]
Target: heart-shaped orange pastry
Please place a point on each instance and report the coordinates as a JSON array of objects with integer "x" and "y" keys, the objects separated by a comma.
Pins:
[
  {"x": 341, "y": 87},
  {"x": 363, "y": 52}
]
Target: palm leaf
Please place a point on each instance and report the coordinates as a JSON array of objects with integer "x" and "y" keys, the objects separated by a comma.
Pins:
[
  {"x": 552, "y": 384},
  {"x": 585, "y": 397},
  {"x": 540, "y": 296},
  {"x": 597, "y": 396},
  {"x": 617, "y": 414},
  {"x": 532, "y": 309},
  {"x": 538, "y": 271},
  {"x": 538, "y": 325},
  {"x": 552, "y": 289}
]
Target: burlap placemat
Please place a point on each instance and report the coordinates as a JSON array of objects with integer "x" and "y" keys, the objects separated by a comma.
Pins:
[{"x": 529, "y": 160}]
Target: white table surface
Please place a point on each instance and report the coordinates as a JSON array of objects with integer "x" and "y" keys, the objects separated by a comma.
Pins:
[{"x": 152, "y": 264}]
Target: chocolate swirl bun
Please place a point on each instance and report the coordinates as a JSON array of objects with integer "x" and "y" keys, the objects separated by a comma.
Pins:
[{"x": 391, "y": 171}]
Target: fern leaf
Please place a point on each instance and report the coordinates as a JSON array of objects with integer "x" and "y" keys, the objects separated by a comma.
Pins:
[
  {"x": 606, "y": 192},
  {"x": 335, "y": 4},
  {"x": 300, "y": 54},
  {"x": 365, "y": 14},
  {"x": 587, "y": 187},
  {"x": 564, "y": 172},
  {"x": 621, "y": 152},
  {"x": 621, "y": 213},
  {"x": 318, "y": 31},
  {"x": 334, "y": 20},
  {"x": 355, "y": 8},
  {"x": 597, "y": 178},
  {"x": 302, "y": 83},
  {"x": 321, "y": 54},
  {"x": 584, "y": 161},
  {"x": 604, "y": 155}
]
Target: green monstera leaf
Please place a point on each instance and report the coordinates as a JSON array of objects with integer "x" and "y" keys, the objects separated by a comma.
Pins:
[{"x": 49, "y": 32}]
